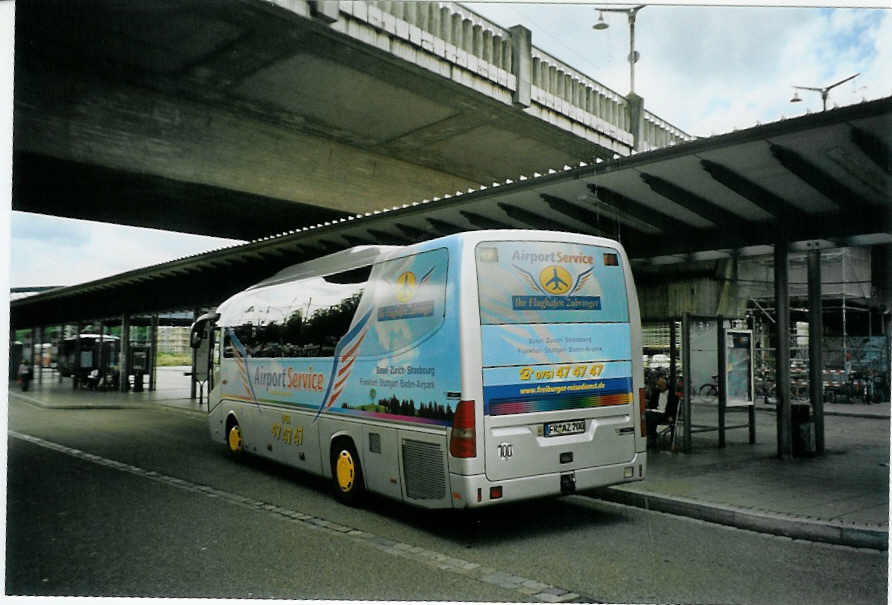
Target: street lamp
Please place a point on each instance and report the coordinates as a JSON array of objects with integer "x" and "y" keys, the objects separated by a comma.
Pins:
[
  {"x": 633, "y": 56},
  {"x": 823, "y": 91}
]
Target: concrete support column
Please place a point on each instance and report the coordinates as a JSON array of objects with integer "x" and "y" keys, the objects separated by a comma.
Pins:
[
  {"x": 33, "y": 350},
  {"x": 686, "y": 370},
  {"x": 193, "y": 384},
  {"x": 782, "y": 356},
  {"x": 497, "y": 51},
  {"x": 722, "y": 369},
  {"x": 635, "y": 104},
  {"x": 522, "y": 64},
  {"x": 815, "y": 347},
  {"x": 100, "y": 356},
  {"x": 40, "y": 357},
  {"x": 60, "y": 343},
  {"x": 76, "y": 364},
  {"x": 124, "y": 365},
  {"x": 673, "y": 358},
  {"x": 153, "y": 343}
]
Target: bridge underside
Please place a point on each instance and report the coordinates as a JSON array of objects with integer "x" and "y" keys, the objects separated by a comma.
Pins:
[{"x": 239, "y": 119}]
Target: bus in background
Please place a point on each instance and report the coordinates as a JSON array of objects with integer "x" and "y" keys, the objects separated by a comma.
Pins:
[{"x": 478, "y": 368}]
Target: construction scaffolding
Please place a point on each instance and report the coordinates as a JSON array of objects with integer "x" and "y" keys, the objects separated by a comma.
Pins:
[{"x": 855, "y": 343}]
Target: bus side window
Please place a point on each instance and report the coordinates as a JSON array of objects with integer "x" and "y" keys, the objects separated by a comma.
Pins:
[
  {"x": 227, "y": 344},
  {"x": 218, "y": 346},
  {"x": 303, "y": 318},
  {"x": 407, "y": 300}
]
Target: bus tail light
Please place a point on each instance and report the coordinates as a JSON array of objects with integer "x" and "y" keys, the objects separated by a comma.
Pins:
[
  {"x": 463, "y": 443},
  {"x": 642, "y": 406}
]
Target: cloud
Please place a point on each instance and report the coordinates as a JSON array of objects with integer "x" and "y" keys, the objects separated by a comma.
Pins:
[
  {"x": 714, "y": 69},
  {"x": 56, "y": 251},
  {"x": 49, "y": 230}
]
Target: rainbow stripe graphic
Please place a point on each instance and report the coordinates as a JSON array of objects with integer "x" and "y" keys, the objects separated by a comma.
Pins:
[
  {"x": 549, "y": 397},
  {"x": 342, "y": 364},
  {"x": 240, "y": 354}
]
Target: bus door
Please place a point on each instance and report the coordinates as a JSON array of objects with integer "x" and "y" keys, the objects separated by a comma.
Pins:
[{"x": 557, "y": 370}]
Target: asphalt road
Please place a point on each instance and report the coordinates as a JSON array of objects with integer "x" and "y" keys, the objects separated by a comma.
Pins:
[{"x": 139, "y": 502}]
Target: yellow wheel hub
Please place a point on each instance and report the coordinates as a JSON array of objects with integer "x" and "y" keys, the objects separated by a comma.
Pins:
[
  {"x": 235, "y": 439},
  {"x": 346, "y": 471}
]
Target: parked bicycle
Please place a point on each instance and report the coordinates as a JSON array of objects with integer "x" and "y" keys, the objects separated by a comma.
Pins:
[{"x": 710, "y": 389}]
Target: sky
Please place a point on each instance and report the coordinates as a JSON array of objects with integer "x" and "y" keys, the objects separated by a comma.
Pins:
[{"x": 707, "y": 70}]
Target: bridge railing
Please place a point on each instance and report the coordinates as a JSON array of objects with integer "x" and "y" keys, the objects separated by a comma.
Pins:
[{"x": 450, "y": 31}]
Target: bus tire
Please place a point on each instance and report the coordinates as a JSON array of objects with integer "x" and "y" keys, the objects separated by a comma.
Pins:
[
  {"x": 235, "y": 443},
  {"x": 346, "y": 473}
]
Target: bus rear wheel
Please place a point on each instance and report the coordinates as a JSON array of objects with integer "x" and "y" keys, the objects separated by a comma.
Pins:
[
  {"x": 346, "y": 473},
  {"x": 234, "y": 441}
]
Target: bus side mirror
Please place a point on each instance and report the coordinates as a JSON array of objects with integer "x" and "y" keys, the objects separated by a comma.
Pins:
[
  {"x": 197, "y": 335},
  {"x": 200, "y": 341},
  {"x": 199, "y": 332}
]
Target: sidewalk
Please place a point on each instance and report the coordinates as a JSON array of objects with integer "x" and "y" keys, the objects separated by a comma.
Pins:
[
  {"x": 172, "y": 391},
  {"x": 840, "y": 498}
]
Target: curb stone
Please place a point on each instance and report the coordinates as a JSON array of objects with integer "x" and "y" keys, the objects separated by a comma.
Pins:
[{"x": 845, "y": 534}]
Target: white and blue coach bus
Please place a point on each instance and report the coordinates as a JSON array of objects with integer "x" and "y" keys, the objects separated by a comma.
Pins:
[{"x": 473, "y": 369}]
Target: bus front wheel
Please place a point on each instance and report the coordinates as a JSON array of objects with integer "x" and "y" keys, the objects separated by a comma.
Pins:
[
  {"x": 234, "y": 440},
  {"x": 346, "y": 473}
]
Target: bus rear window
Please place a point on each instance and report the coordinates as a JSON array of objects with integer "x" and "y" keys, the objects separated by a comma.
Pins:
[{"x": 550, "y": 282}]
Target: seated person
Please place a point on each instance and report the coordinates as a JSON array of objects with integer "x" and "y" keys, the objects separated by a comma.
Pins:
[
  {"x": 92, "y": 379},
  {"x": 657, "y": 408}
]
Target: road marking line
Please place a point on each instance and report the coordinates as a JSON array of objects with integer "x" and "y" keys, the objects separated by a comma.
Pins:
[
  {"x": 540, "y": 591},
  {"x": 33, "y": 402}
]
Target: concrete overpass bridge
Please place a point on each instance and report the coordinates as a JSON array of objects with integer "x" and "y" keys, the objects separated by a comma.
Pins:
[{"x": 241, "y": 118}]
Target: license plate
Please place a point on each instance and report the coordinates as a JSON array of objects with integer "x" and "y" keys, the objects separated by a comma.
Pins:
[{"x": 567, "y": 427}]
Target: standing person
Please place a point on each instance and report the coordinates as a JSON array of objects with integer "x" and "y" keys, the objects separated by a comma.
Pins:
[{"x": 25, "y": 374}]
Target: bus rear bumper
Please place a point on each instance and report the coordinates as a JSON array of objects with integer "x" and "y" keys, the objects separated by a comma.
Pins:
[{"x": 472, "y": 491}]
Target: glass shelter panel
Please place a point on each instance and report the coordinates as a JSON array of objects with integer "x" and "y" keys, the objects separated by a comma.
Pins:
[{"x": 739, "y": 359}]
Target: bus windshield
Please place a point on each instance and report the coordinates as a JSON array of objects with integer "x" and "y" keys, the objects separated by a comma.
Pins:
[{"x": 550, "y": 282}]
